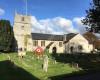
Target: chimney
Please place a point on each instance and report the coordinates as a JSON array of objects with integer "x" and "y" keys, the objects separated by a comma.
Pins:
[{"x": 64, "y": 39}]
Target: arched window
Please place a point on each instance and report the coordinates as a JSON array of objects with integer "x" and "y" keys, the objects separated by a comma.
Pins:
[
  {"x": 71, "y": 49},
  {"x": 80, "y": 47}
]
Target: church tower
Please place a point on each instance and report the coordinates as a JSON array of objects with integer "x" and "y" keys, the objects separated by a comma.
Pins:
[{"x": 22, "y": 29}]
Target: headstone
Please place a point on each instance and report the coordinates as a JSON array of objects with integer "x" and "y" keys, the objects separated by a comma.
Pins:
[
  {"x": 9, "y": 57},
  {"x": 21, "y": 53},
  {"x": 45, "y": 63}
]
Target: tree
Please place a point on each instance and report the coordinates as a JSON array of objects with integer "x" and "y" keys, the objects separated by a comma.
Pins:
[
  {"x": 6, "y": 36},
  {"x": 92, "y": 18},
  {"x": 92, "y": 39}
]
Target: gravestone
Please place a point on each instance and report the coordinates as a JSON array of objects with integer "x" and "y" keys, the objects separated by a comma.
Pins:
[
  {"x": 21, "y": 53},
  {"x": 45, "y": 63}
]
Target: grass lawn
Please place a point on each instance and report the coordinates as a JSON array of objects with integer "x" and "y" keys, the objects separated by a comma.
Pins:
[{"x": 30, "y": 65}]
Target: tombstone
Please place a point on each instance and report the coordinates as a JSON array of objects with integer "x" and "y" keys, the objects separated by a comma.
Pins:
[
  {"x": 9, "y": 57},
  {"x": 55, "y": 62},
  {"x": 45, "y": 63},
  {"x": 21, "y": 53},
  {"x": 75, "y": 65}
]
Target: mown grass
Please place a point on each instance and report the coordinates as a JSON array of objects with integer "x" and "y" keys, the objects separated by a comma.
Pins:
[{"x": 32, "y": 66}]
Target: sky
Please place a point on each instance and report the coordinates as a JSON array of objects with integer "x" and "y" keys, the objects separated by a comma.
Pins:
[{"x": 57, "y": 16}]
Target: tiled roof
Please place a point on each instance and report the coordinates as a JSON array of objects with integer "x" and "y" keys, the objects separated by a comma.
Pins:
[
  {"x": 52, "y": 37},
  {"x": 69, "y": 37}
]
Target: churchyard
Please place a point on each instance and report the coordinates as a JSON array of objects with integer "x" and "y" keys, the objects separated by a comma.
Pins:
[{"x": 30, "y": 67}]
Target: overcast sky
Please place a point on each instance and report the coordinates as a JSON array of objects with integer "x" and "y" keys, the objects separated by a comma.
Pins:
[{"x": 57, "y": 16}]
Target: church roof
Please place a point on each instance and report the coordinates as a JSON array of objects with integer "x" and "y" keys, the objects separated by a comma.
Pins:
[
  {"x": 52, "y": 37},
  {"x": 69, "y": 37}
]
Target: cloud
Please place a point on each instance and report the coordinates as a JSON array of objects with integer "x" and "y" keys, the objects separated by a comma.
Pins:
[
  {"x": 64, "y": 24},
  {"x": 1, "y": 11},
  {"x": 79, "y": 25},
  {"x": 57, "y": 25},
  {"x": 97, "y": 35},
  {"x": 36, "y": 26}
]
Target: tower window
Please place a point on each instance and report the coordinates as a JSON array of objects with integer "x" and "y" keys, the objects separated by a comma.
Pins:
[
  {"x": 22, "y": 27},
  {"x": 23, "y": 19}
]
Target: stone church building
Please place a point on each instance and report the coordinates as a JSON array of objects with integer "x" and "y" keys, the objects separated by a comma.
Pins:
[
  {"x": 30, "y": 41},
  {"x": 26, "y": 40}
]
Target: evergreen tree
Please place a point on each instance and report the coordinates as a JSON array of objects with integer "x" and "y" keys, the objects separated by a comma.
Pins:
[
  {"x": 92, "y": 18},
  {"x": 6, "y": 36}
]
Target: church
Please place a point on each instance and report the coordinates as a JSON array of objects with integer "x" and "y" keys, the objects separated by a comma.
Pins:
[{"x": 29, "y": 41}]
